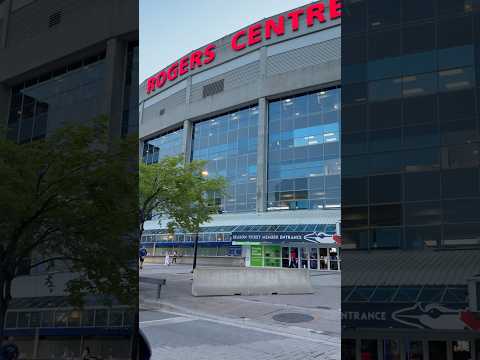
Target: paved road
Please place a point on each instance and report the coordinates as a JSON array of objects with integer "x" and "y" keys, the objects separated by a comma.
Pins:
[{"x": 183, "y": 327}]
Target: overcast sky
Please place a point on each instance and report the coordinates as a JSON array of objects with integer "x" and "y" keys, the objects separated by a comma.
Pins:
[{"x": 170, "y": 29}]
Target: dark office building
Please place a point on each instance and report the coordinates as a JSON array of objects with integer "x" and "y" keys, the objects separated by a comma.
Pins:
[
  {"x": 410, "y": 178},
  {"x": 66, "y": 62}
]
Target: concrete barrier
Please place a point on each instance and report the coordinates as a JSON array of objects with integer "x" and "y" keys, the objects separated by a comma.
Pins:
[
  {"x": 235, "y": 261},
  {"x": 211, "y": 281}
]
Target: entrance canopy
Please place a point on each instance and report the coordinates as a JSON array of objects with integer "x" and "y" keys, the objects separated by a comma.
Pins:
[{"x": 312, "y": 238}]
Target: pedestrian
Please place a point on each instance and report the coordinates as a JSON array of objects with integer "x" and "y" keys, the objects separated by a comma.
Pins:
[
  {"x": 141, "y": 255},
  {"x": 9, "y": 350},
  {"x": 174, "y": 257},
  {"x": 86, "y": 355},
  {"x": 167, "y": 259}
]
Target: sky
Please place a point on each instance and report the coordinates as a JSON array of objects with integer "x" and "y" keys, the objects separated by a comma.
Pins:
[{"x": 170, "y": 29}]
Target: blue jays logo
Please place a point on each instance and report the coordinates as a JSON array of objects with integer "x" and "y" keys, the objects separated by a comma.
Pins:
[
  {"x": 430, "y": 316},
  {"x": 319, "y": 238}
]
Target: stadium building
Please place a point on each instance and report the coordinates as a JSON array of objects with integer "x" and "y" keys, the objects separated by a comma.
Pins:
[{"x": 262, "y": 105}]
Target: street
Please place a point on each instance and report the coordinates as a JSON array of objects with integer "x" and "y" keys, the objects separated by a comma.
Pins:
[{"x": 182, "y": 327}]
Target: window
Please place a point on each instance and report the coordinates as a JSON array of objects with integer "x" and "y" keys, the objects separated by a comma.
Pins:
[
  {"x": 385, "y": 188},
  {"x": 422, "y": 186},
  {"x": 385, "y": 238},
  {"x": 353, "y": 217},
  {"x": 386, "y": 215},
  {"x": 416, "y": 10},
  {"x": 407, "y": 294},
  {"x": 383, "y": 294},
  {"x": 418, "y": 48},
  {"x": 382, "y": 13},
  {"x": 424, "y": 213},
  {"x": 361, "y": 294},
  {"x": 229, "y": 143},
  {"x": 422, "y": 237},
  {"x": 355, "y": 191},
  {"x": 171, "y": 144},
  {"x": 455, "y": 42},
  {"x": 304, "y": 151}
]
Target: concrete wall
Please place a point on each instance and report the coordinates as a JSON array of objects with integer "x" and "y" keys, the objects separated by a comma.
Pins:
[
  {"x": 250, "y": 281},
  {"x": 201, "y": 260}
]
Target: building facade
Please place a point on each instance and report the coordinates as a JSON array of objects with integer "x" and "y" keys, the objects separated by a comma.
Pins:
[
  {"x": 65, "y": 62},
  {"x": 410, "y": 178},
  {"x": 262, "y": 106}
]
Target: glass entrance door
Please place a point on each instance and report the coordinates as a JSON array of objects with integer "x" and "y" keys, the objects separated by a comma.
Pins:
[
  {"x": 294, "y": 261},
  {"x": 323, "y": 252},
  {"x": 304, "y": 258},
  {"x": 313, "y": 264},
  {"x": 285, "y": 257}
]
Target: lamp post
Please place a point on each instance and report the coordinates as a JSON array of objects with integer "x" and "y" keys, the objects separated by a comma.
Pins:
[{"x": 204, "y": 174}]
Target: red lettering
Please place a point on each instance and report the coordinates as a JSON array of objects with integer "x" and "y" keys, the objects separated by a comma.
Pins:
[
  {"x": 210, "y": 54},
  {"x": 278, "y": 28},
  {"x": 294, "y": 15},
  {"x": 172, "y": 72},
  {"x": 151, "y": 82},
  {"x": 196, "y": 59},
  {"x": 161, "y": 79},
  {"x": 254, "y": 34},
  {"x": 335, "y": 9},
  {"x": 315, "y": 12},
  {"x": 184, "y": 65},
  {"x": 235, "y": 45}
]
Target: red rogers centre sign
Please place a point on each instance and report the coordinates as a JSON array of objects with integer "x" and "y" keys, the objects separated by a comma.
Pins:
[{"x": 254, "y": 34}]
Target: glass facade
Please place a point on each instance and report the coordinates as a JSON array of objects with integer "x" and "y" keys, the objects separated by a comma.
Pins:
[
  {"x": 304, "y": 151},
  {"x": 169, "y": 144},
  {"x": 229, "y": 143},
  {"x": 67, "y": 95},
  {"x": 410, "y": 135}
]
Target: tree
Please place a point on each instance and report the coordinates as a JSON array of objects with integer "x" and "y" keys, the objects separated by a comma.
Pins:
[
  {"x": 180, "y": 192},
  {"x": 70, "y": 198}
]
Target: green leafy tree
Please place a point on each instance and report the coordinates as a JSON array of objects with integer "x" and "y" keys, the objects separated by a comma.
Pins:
[
  {"x": 178, "y": 191},
  {"x": 70, "y": 199}
]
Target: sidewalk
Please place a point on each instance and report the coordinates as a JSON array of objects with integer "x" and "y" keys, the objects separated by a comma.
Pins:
[{"x": 323, "y": 306}]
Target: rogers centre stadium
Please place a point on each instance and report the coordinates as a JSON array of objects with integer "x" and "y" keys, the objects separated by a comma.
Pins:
[{"x": 262, "y": 106}]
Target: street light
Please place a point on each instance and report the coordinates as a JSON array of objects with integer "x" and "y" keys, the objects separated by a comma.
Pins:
[{"x": 204, "y": 173}]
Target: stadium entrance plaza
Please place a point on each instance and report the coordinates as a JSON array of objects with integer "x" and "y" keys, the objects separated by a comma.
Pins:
[{"x": 181, "y": 326}]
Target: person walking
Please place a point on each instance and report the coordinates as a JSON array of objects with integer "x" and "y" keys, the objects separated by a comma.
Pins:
[
  {"x": 86, "y": 355},
  {"x": 174, "y": 257},
  {"x": 141, "y": 255},
  {"x": 9, "y": 350},
  {"x": 167, "y": 259}
]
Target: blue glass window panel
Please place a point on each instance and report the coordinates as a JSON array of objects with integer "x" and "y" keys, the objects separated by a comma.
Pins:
[
  {"x": 456, "y": 57},
  {"x": 229, "y": 143},
  {"x": 419, "y": 63},
  {"x": 300, "y": 128},
  {"x": 384, "y": 68}
]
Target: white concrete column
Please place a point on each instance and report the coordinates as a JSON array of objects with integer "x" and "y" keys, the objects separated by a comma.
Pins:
[
  {"x": 187, "y": 140},
  {"x": 262, "y": 149},
  {"x": 116, "y": 59}
]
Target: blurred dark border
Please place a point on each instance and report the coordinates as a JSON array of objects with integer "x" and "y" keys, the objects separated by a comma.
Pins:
[
  {"x": 410, "y": 179},
  {"x": 64, "y": 63}
]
